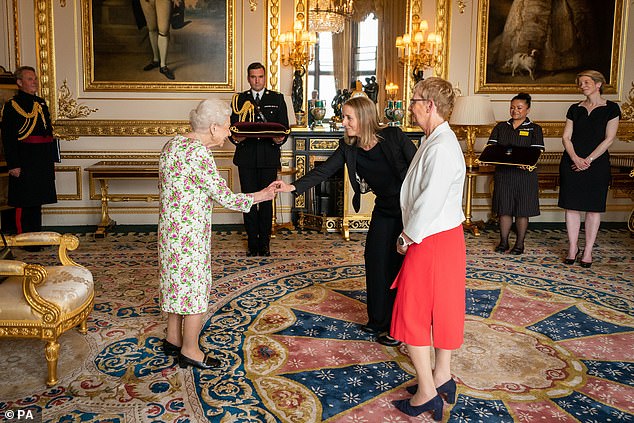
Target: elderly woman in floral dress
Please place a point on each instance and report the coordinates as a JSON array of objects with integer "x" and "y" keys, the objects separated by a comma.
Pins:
[{"x": 189, "y": 182}]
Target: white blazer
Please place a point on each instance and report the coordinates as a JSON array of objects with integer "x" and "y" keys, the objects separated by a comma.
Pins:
[{"x": 431, "y": 194}]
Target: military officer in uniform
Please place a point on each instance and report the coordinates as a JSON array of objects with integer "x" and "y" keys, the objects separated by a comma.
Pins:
[
  {"x": 258, "y": 158},
  {"x": 29, "y": 149}
]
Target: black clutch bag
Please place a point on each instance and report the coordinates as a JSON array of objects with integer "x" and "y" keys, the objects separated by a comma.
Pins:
[
  {"x": 523, "y": 157},
  {"x": 259, "y": 129}
]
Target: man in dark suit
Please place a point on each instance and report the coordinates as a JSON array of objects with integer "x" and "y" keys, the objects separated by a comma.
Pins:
[{"x": 258, "y": 158}]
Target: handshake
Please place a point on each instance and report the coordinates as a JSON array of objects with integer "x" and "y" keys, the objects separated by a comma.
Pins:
[{"x": 269, "y": 192}]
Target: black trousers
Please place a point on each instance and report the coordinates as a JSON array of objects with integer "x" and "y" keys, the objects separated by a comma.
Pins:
[
  {"x": 27, "y": 219},
  {"x": 382, "y": 264},
  {"x": 258, "y": 220}
]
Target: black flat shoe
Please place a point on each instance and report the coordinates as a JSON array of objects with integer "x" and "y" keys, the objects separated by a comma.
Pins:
[
  {"x": 501, "y": 248},
  {"x": 206, "y": 364},
  {"x": 517, "y": 251},
  {"x": 585, "y": 264},
  {"x": 387, "y": 340},
  {"x": 369, "y": 329},
  {"x": 151, "y": 65},
  {"x": 169, "y": 348},
  {"x": 435, "y": 405},
  {"x": 265, "y": 252},
  {"x": 252, "y": 253},
  {"x": 572, "y": 260},
  {"x": 167, "y": 72}
]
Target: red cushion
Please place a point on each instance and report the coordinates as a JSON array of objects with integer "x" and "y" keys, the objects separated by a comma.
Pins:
[{"x": 259, "y": 129}]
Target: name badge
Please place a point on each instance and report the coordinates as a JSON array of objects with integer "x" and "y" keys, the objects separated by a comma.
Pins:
[{"x": 523, "y": 133}]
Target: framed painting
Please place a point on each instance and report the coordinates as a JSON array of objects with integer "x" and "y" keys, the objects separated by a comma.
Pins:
[
  {"x": 158, "y": 45},
  {"x": 539, "y": 46}
]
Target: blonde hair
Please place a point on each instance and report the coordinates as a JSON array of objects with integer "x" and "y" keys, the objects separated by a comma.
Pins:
[
  {"x": 368, "y": 119},
  {"x": 596, "y": 76},
  {"x": 439, "y": 91}
]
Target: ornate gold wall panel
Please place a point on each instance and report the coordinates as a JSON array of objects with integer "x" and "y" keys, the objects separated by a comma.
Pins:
[
  {"x": 272, "y": 35},
  {"x": 74, "y": 128}
]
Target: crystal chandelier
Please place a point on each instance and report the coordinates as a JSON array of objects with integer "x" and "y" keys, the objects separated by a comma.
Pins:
[{"x": 329, "y": 15}]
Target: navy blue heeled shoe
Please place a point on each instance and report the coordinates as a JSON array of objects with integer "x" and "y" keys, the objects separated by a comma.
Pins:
[
  {"x": 448, "y": 389},
  {"x": 435, "y": 405}
]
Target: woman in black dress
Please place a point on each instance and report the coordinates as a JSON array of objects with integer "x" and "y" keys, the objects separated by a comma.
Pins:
[
  {"x": 380, "y": 157},
  {"x": 584, "y": 171},
  {"x": 515, "y": 190}
]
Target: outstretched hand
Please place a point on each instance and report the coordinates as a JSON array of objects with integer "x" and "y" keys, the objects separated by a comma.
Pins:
[
  {"x": 267, "y": 194},
  {"x": 281, "y": 186}
]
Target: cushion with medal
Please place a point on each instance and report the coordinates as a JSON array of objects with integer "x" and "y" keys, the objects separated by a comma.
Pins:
[
  {"x": 524, "y": 157},
  {"x": 259, "y": 129}
]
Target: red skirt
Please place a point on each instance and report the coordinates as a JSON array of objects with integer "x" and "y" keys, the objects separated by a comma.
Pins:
[{"x": 430, "y": 294}]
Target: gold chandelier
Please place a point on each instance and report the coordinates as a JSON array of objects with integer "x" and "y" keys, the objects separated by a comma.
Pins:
[
  {"x": 419, "y": 50},
  {"x": 329, "y": 15}
]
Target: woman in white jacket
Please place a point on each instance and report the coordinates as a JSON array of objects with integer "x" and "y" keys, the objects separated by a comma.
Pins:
[{"x": 430, "y": 298}]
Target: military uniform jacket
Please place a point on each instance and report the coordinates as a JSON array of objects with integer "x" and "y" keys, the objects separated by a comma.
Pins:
[
  {"x": 36, "y": 184},
  {"x": 259, "y": 152}
]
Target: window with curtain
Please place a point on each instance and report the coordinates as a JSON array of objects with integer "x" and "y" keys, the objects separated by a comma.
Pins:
[{"x": 321, "y": 73}]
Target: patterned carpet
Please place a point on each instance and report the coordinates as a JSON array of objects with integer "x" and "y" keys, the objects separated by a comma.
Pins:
[{"x": 545, "y": 342}]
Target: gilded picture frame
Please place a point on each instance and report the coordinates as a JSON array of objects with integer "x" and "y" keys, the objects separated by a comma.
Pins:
[
  {"x": 518, "y": 50},
  {"x": 121, "y": 53}
]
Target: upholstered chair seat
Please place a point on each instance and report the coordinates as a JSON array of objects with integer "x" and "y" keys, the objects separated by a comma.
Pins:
[{"x": 45, "y": 301}]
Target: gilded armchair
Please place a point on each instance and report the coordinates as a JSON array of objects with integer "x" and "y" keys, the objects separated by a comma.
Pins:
[{"x": 45, "y": 301}]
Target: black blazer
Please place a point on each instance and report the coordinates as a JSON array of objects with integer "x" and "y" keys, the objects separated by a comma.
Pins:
[
  {"x": 397, "y": 147},
  {"x": 259, "y": 152}
]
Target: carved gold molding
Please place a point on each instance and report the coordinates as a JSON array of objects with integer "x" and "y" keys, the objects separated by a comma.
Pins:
[
  {"x": 627, "y": 109},
  {"x": 46, "y": 51},
  {"x": 73, "y": 129},
  {"x": 272, "y": 35},
  {"x": 68, "y": 106},
  {"x": 16, "y": 33}
]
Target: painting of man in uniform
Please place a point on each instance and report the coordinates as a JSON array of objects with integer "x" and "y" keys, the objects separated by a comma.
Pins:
[
  {"x": 548, "y": 41},
  {"x": 139, "y": 43}
]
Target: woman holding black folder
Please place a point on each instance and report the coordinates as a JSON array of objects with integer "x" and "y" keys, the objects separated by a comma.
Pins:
[{"x": 515, "y": 192}]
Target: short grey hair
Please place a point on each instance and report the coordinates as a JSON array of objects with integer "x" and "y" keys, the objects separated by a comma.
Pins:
[
  {"x": 19, "y": 72},
  {"x": 209, "y": 112}
]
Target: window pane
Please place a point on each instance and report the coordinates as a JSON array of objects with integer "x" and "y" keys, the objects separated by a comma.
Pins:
[
  {"x": 327, "y": 91},
  {"x": 365, "y": 51}
]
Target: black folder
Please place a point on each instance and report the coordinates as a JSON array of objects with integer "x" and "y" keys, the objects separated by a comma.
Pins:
[{"x": 523, "y": 157}]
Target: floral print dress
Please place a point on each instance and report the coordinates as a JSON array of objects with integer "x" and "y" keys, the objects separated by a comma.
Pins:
[{"x": 189, "y": 182}]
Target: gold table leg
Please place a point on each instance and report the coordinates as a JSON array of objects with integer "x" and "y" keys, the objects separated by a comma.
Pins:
[
  {"x": 468, "y": 224},
  {"x": 106, "y": 221}
]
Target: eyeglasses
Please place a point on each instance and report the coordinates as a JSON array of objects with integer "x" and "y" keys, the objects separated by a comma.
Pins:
[{"x": 414, "y": 100}]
